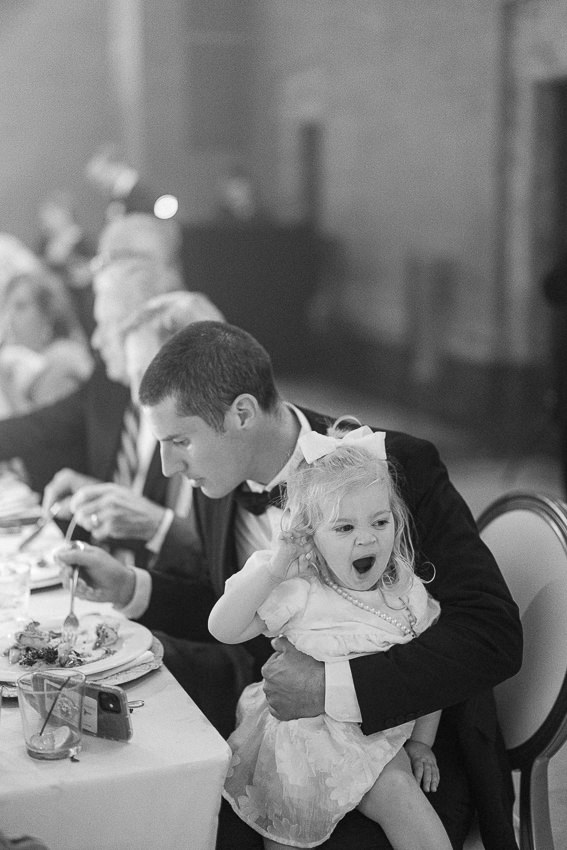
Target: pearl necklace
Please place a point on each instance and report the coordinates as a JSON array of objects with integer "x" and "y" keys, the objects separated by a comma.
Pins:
[{"x": 405, "y": 630}]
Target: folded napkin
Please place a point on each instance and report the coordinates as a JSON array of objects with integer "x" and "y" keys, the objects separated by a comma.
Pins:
[{"x": 152, "y": 659}]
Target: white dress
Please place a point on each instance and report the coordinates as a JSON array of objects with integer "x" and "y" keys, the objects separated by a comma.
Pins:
[{"x": 293, "y": 781}]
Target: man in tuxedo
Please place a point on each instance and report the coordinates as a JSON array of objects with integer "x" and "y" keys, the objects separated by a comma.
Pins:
[{"x": 212, "y": 403}]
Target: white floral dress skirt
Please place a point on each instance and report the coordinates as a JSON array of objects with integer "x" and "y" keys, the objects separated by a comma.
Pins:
[{"x": 292, "y": 781}]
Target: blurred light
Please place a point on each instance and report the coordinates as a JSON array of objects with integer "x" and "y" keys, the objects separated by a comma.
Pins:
[{"x": 166, "y": 206}]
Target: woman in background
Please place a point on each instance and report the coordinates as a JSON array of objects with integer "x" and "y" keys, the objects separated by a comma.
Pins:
[{"x": 44, "y": 354}]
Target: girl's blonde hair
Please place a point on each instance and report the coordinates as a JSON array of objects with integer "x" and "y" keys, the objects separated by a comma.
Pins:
[{"x": 315, "y": 490}]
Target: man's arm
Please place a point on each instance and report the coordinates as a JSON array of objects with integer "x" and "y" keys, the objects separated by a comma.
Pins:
[
  {"x": 477, "y": 640},
  {"x": 180, "y": 606}
]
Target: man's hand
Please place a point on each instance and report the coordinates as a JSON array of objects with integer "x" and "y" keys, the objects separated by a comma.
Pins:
[
  {"x": 423, "y": 764},
  {"x": 294, "y": 683},
  {"x": 113, "y": 511},
  {"x": 101, "y": 577},
  {"x": 64, "y": 484}
]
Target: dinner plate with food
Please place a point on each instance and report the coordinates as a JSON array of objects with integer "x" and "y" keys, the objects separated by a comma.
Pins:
[{"x": 102, "y": 643}]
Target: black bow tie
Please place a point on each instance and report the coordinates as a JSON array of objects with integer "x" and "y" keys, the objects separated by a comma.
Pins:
[{"x": 258, "y": 503}]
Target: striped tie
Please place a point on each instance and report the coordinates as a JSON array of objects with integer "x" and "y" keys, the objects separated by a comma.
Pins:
[{"x": 127, "y": 457}]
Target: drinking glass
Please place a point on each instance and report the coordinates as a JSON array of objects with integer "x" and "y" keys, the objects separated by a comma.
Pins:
[
  {"x": 51, "y": 708},
  {"x": 15, "y": 572}
]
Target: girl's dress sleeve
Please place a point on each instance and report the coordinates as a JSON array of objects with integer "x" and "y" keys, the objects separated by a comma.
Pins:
[
  {"x": 287, "y": 598},
  {"x": 284, "y": 602}
]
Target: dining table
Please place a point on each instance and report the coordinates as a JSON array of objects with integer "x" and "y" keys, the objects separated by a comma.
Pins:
[{"x": 161, "y": 789}]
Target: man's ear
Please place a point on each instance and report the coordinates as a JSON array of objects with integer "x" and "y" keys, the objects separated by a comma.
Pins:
[{"x": 244, "y": 410}]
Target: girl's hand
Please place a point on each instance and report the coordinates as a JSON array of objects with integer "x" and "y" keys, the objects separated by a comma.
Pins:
[
  {"x": 292, "y": 556},
  {"x": 423, "y": 764}
]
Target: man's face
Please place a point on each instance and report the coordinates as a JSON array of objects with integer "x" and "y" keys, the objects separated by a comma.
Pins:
[
  {"x": 112, "y": 307},
  {"x": 215, "y": 462}
]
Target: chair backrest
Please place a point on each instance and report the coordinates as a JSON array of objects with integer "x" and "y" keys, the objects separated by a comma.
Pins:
[{"x": 527, "y": 534}]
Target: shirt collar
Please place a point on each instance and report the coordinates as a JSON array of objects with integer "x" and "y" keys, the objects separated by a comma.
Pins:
[{"x": 282, "y": 475}]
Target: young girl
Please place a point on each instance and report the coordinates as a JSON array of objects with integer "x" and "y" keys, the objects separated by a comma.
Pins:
[{"x": 339, "y": 583}]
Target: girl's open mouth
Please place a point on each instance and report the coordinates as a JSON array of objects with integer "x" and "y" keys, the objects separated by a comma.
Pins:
[{"x": 362, "y": 565}]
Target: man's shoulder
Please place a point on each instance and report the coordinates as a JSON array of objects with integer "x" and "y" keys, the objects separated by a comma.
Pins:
[{"x": 399, "y": 443}]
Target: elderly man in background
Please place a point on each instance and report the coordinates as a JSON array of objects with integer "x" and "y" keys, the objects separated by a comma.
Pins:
[
  {"x": 111, "y": 511},
  {"x": 131, "y": 507}
]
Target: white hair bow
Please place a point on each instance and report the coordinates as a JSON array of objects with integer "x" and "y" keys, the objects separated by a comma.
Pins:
[{"x": 315, "y": 445}]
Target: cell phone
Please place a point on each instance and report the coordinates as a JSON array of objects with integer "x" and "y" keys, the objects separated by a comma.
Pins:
[{"x": 106, "y": 713}]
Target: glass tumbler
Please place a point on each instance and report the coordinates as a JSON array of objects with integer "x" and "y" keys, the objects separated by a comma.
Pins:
[{"x": 51, "y": 708}]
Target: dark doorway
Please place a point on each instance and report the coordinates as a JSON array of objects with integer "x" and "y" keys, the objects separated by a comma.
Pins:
[{"x": 549, "y": 207}]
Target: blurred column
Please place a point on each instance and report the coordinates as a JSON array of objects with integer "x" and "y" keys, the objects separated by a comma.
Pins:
[{"x": 126, "y": 50}]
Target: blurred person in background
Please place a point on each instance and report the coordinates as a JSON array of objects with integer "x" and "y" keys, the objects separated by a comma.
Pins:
[
  {"x": 15, "y": 258},
  {"x": 110, "y": 511},
  {"x": 67, "y": 250},
  {"x": 83, "y": 431},
  {"x": 237, "y": 201},
  {"x": 44, "y": 352}
]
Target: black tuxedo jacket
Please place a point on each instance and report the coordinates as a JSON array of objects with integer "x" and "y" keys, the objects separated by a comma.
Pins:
[{"x": 476, "y": 643}]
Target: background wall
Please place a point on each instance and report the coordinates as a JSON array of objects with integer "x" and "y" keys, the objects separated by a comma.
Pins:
[{"x": 410, "y": 105}]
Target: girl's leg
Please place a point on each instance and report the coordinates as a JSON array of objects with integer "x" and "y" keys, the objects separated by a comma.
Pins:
[{"x": 398, "y": 804}]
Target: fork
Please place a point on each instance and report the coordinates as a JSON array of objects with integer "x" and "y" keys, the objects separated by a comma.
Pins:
[{"x": 71, "y": 623}]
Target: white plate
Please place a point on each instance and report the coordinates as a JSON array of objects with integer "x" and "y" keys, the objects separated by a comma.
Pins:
[
  {"x": 133, "y": 641},
  {"x": 41, "y": 551}
]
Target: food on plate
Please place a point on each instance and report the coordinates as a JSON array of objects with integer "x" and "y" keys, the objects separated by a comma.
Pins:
[{"x": 40, "y": 648}]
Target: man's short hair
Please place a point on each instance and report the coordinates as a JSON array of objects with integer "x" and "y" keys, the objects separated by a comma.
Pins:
[{"x": 204, "y": 367}]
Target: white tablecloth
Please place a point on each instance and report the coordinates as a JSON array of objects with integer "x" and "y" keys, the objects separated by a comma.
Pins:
[{"x": 160, "y": 790}]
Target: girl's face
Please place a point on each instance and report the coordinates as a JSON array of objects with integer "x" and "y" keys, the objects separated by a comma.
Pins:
[{"x": 358, "y": 542}]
